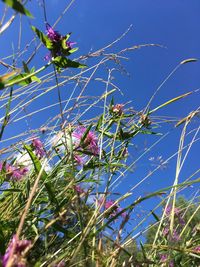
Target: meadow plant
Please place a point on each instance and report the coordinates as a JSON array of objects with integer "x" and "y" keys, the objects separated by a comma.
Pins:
[{"x": 62, "y": 199}]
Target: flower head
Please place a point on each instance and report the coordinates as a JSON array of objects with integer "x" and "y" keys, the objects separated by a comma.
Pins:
[
  {"x": 90, "y": 142},
  {"x": 78, "y": 159},
  {"x": 52, "y": 34},
  {"x": 38, "y": 147},
  {"x": 117, "y": 109},
  {"x": 13, "y": 172},
  {"x": 197, "y": 249},
  {"x": 79, "y": 189},
  {"x": 20, "y": 247},
  {"x": 169, "y": 210},
  {"x": 163, "y": 257}
]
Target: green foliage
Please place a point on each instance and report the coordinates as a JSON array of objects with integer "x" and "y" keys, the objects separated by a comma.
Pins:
[{"x": 17, "y": 6}]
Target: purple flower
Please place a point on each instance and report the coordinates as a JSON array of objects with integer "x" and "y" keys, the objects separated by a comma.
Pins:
[
  {"x": 197, "y": 249},
  {"x": 163, "y": 257},
  {"x": 60, "y": 264},
  {"x": 165, "y": 231},
  {"x": 18, "y": 173},
  {"x": 20, "y": 247},
  {"x": 38, "y": 147},
  {"x": 14, "y": 172},
  {"x": 53, "y": 35},
  {"x": 113, "y": 207},
  {"x": 78, "y": 159},
  {"x": 48, "y": 57},
  {"x": 90, "y": 142},
  {"x": 79, "y": 189},
  {"x": 169, "y": 209},
  {"x": 70, "y": 44},
  {"x": 110, "y": 203},
  {"x": 175, "y": 236}
]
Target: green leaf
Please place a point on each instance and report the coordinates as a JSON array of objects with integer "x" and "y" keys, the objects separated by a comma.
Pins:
[
  {"x": 1, "y": 85},
  {"x": 155, "y": 216},
  {"x": 99, "y": 123},
  {"x": 24, "y": 81},
  {"x": 43, "y": 38},
  {"x": 85, "y": 134},
  {"x": 7, "y": 115},
  {"x": 17, "y": 6},
  {"x": 62, "y": 62},
  {"x": 38, "y": 166}
]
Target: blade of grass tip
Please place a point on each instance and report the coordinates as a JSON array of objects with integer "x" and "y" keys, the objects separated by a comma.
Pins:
[
  {"x": 169, "y": 102},
  {"x": 167, "y": 78},
  {"x": 7, "y": 24},
  {"x": 7, "y": 115}
]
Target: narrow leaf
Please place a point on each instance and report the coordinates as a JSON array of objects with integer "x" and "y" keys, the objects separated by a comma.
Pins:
[
  {"x": 17, "y": 6},
  {"x": 43, "y": 38},
  {"x": 188, "y": 61}
]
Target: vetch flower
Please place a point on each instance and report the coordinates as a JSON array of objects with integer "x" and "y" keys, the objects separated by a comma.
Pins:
[{"x": 18, "y": 256}]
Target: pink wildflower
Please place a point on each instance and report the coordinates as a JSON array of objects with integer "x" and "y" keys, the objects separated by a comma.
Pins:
[
  {"x": 165, "y": 231},
  {"x": 14, "y": 172},
  {"x": 79, "y": 189},
  {"x": 78, "y": 159},
  {"x": 90, "y": 143},
  {"x": 20, "y": 247},
  {"x": 169, "y": 210},
  {"x": 117, "y": 109},
  {"x": 175, "y": 236},
  {"x": 114, "y": 208},
  {"x": 38, "y": 147},
  {"x": 197, "y": 249},
  {"x": 163, "y": 257}
]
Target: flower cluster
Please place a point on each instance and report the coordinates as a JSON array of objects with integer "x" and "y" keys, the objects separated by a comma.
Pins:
[
  {"x": 114, "y": 208},
  {"x": 53, "y": 35},
  {"x": 90, "y": 142},
  {"x": 61, "y": 45},
  {"x": 18, "y": 259},
  {"x": 164, "y": 259},
  {"x": 13, "y": 172},
  {"x": 38, "y": 147},
  {"x": 177, "y": 213}
]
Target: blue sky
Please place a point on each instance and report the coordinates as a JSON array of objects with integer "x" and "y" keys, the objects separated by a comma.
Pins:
[{"x": 173, "y": 24}]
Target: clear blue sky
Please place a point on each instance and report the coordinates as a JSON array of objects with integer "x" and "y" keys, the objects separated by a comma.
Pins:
[{"x": 173, "y": 24}]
